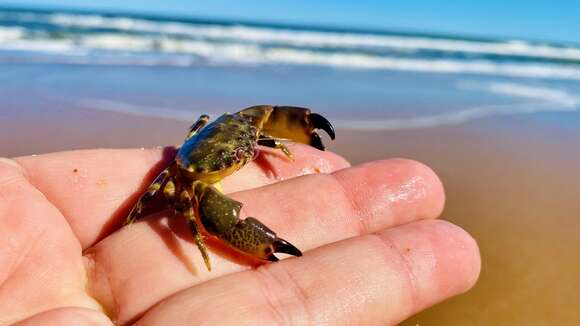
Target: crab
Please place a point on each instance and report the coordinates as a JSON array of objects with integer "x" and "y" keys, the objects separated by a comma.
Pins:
[{"x": 211, "y": 152}]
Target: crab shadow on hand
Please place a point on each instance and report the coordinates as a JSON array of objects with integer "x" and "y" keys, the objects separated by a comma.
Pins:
[{"x": 118, "y": 217}]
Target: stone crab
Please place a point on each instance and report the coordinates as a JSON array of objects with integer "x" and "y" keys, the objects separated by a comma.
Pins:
[{"x": 211, "y": 152}]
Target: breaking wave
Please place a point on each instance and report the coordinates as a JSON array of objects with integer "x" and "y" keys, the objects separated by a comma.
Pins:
[{"x": 88, "y": 38}]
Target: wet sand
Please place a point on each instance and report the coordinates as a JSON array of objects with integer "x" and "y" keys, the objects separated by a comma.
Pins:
[
  {"x": 513, "y": 183},
  {"x": 517, "y": 193}
]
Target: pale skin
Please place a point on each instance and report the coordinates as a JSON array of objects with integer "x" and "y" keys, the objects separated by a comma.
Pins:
[{"x": 374, "y": 253}]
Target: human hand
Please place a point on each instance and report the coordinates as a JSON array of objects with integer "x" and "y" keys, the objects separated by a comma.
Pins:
[{"x": 373, "y": 253}]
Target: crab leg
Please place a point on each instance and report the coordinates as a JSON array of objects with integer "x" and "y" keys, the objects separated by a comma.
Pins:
[
  {"x": 220, "y": 216},
  {"x": 147, "y": 196},
  {"x": 275, "y": 143},
  {"x": 196, "y": 126},
  {"x": 184, "y": 206},
  {"x": 293, "y": 123}
]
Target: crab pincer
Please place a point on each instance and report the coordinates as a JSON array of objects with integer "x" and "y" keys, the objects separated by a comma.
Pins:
[{"x": 220, "y": 217}]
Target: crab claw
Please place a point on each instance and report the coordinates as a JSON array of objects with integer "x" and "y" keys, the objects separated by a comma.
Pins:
[
  {"x": 289, "y": 123},
  {"x": 220, "y": 217},
  {"x": 273, "y": 258},
  {"x": 320, "y": 122},
  {"x": 285, "y": 247},
  {"x": 316, "y": 141}
]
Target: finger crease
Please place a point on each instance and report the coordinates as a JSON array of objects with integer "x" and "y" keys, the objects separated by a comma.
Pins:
[
  {"x": 276, "y": 285},
  {"x": 390, "y": 246},
  {"x": 355, "y": 209}
]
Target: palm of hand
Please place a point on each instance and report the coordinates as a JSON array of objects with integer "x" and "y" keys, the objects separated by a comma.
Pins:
[{"x": 373, "y": 254}]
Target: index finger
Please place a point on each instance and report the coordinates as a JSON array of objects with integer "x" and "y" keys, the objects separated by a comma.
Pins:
[{"x": 94, "y": 189}]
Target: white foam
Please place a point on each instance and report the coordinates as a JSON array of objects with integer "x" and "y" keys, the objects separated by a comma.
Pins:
[
  {"x": 362, "y": 61},
  {"x": 319, "y": 38},
  {"x": 532, "y": 92},
  {"x": 239, "y": 53},
  {"x": 65, "y": 47},
  {"x": 247, "y": 45},
  {"x": 117, "y": 42},
  {"x": 8, "y": 34}
]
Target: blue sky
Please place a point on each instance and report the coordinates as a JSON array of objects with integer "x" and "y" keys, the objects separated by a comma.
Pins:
[{"x": 556, "y": 20}]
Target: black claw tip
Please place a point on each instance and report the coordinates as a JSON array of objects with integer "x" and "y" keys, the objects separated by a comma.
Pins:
[
  {"x": 316, "y": 142},
  {"x": 320, "y": 122},
  {"x": 285, "y": 247}
]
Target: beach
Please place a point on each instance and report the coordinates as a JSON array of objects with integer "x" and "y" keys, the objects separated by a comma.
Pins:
[
  {"x": 503, "y": 136},
  {"x": 511, "y": 182}
]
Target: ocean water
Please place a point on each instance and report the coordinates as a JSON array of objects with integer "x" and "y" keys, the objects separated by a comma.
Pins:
[{"x": 177, "y": 68}]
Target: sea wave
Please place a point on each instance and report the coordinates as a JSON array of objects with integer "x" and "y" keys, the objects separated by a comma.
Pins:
[
  {"x": 189, "y": 52},
  {"x": 319, "y": 39},
  {"x": 8, "y": 34},
  {"x": 129, "y": 40}
]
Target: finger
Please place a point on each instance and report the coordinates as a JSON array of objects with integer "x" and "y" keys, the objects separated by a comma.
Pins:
[
  {"x": 309, "y": 211},
  {"x": 95, "y": 189},
  {"x": 370, "y": 280},
  {"x": 69, "y": 316}
]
